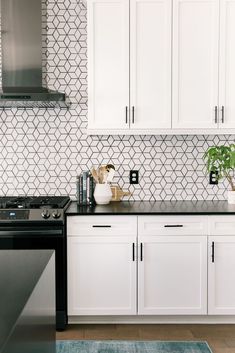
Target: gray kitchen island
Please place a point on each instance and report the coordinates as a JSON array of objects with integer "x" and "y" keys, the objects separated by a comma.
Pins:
[{"x": 27, "y": 301}]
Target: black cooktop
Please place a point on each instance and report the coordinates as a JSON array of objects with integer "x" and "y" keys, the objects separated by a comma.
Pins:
[{"x": 33, "y": 202}]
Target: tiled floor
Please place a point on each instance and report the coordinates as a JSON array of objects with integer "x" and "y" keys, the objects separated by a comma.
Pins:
[{"x": 221, "y": 338}]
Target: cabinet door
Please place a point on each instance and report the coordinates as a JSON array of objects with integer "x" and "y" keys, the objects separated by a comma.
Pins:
[
  {"x": 150, "y": 62},
  {"x": 101, "y": 276},
  {"x": 195, "y": 63},
  {"x": 108, "y": 63},
  {"x": 227, "y": 64},
  {"x": 173, "y": 275},
  {"x": 221, "y": 275}
]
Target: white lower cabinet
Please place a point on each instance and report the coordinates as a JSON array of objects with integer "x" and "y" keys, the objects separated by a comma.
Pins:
[
  {"x": 101, "y": 275},
  {"x": 172, "y": 275},
  {"x": 221, "y": 275},
  {"x": 151, "y": 265}
]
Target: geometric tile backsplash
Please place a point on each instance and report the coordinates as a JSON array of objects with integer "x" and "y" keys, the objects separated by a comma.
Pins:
[{"x": 42, "y": 150}]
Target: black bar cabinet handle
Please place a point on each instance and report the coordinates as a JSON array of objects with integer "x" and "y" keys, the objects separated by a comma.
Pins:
[
  {"x": 173, "y": 225},
  {"x": 141, "y": 251},
  {"x": 126, "y": 115},
  {"x": 101, "y": 226},
  {"x": 133, "y": 251},
  {"x": 30, "y": 233},
  {"x": 222, "y": 114},
  {"x": 216, "y": 114},
  {"x": 213, "y": 252},
  {"x": 133, "y": 115}
]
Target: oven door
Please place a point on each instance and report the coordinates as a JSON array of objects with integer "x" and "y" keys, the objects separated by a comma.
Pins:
[{"x": 38, "y": 236}]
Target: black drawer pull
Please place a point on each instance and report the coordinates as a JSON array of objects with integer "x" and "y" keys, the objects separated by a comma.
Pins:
[
  {"x": 133, "y": 251},
  {"x": 173, "y": 225},
  {"x": 126, "y": 115},
  {"x": 216, "y": 114},
  {"x": 213, "y": 252},
  {"x": 141, "y": 251},
  {"x": 101, "y": 226},
  {"x": 222, "y": 109},
  {"x": 133, "y": 115}
]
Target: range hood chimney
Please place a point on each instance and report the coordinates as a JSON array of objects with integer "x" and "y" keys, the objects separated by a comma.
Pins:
[{"x": 21, "y": 39}]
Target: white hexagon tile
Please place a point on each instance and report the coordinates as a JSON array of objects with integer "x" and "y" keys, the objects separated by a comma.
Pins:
[{"x": 42, "y": 151}]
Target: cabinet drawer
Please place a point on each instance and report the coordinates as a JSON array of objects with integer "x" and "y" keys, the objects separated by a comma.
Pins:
[
  {"x": 221, "y": 225},
  {"x": 101, "y": 225},
  {"x": 172, "y": 225}
]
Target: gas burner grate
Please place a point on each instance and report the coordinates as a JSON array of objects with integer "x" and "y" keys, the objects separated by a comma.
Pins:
[
  {"x": 34, "y": 202},
  {"x": 17, "y": 202},
  {"x": 49, "y": 201}
]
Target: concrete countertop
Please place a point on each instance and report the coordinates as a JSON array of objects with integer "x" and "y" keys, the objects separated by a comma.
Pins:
[{"x": 154, "y": 208}]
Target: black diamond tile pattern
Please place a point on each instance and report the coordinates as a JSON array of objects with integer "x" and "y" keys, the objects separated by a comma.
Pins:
[{"x": 42, "y": 151}]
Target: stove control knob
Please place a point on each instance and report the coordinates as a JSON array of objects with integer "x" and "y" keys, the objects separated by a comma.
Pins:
[
  {"x": 45, "y": 214},
  {"x": 56, "y": 214}
]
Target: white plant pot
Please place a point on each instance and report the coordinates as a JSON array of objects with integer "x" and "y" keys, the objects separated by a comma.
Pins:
[
  {"x": 102, "y": 194},
  {"x": 231, "y": 197}
]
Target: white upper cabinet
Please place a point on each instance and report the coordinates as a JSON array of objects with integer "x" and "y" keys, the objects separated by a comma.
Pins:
[
  {"x": 227, "y": 64},
  {"x": 161, "y": 66},
  {"x": 129, "y": 83},
  {"x": 195, "y": 63},
  {"x": 150, "y": 64},
  {"x": 108, "y": 64},
  {"x": 204, "y": 65}
]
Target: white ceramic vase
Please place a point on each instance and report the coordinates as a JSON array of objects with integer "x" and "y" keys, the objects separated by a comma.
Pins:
[
  {"x": 231, "y": 197},
  {"x": 102, "y": 194}
]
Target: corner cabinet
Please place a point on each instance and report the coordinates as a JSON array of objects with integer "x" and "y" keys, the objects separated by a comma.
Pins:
[{"x": 129, "y": 65}]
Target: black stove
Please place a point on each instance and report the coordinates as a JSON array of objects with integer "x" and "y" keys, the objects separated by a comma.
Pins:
[
  {"x": 33, "y": 208},
  {"x": 38, "y": 222}
]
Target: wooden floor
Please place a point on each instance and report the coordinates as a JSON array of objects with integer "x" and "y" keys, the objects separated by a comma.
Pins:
[{"x": 221, "y": 338}]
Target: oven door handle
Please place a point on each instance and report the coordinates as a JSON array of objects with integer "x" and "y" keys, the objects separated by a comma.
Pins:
[{"x": 31, "y": 233}]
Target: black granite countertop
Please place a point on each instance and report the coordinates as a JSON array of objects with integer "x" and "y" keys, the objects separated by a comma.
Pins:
[{"x": 154, "y": 208}]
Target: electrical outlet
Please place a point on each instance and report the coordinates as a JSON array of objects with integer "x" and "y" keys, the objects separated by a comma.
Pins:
[
  {"x": 213, "y": 178},
  {"x": 134, "y": 177}
]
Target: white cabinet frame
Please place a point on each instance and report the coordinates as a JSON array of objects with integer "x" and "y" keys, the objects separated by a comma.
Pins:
[
  {"x": 172, "y": 275},
  {"x": 105, "y": 282},
  {"x": 195, "y": 64}
]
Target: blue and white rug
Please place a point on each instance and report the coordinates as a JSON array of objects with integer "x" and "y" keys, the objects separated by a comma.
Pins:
[{"x": 131, "y": 347}]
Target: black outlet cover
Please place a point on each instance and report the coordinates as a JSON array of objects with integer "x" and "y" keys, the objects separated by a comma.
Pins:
[
  {"x": 213, "y": 178},
  {"x": 134, "y": 177}
]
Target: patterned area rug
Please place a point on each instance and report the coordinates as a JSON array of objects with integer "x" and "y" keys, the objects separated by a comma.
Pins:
[{"x": 131, "y": 347}]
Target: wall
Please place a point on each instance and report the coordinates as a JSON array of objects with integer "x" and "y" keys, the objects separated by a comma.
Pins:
[{"x": 42, "y": 151}]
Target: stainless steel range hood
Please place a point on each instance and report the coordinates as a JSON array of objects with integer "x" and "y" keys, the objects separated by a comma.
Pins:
[{"x": 21, "y": 42}]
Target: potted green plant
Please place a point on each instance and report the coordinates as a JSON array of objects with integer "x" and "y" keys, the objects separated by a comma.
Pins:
[{"x": 221, "y": 160}]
